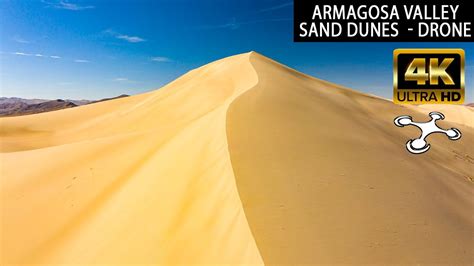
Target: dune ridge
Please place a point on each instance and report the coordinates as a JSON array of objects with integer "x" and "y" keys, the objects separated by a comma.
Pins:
[
  {"x": 324, "y": 177},
  {"x": 144, "y": 179},
  {"x": 241, "y": 161}
]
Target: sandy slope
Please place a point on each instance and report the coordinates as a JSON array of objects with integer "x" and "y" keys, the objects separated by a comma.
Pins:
[
  {"x": 324, "y": 177},
  {"x": 459, "y": 114},
  {"x": 239, "y": 161},
  {"x": 144, "y": 179}
]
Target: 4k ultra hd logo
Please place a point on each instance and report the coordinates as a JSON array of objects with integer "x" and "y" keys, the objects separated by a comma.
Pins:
[{"x": 423, "y": 76}]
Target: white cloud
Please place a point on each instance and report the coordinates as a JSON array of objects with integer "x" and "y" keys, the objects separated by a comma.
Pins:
[
  {"x": 132, "y": 39},
  {"x": 161, "y": 59},
  {"x": 41, "y": 55},
  {"x": 48, "y": 56},
  {"x": 22, "y": 54},
  {"x": 124, "y": 80},
  {"x": 125, "y": 37},
  {"x": 63, "y": 4}
]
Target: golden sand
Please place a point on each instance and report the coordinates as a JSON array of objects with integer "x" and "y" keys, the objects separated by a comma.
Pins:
[{"x": 241, "y": 161}]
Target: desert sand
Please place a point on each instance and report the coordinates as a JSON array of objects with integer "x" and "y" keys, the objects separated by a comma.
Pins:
[
  {"x": 241, "y": 161},
  {"x": 456, "y": 113}
]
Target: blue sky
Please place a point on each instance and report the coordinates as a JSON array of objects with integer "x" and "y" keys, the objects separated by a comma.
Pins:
[{"x": 94, "y": 49}]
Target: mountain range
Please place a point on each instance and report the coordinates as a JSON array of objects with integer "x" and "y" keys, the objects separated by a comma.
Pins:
[{"x": 14, "y": 106}]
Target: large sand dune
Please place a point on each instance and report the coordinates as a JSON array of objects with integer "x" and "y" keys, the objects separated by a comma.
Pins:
[{"x": 242, "y": 161}]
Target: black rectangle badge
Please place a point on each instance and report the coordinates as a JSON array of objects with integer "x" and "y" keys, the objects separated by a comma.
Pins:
[{"x": 405, "y": 21}]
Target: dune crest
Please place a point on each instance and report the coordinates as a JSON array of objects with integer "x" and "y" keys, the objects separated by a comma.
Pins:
[
  {"x": 144, "y": 179},
  {"x": 324, "y": 177},
  {"x": 241, "y": 161}
]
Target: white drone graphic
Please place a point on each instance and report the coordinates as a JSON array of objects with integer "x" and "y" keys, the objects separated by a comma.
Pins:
[{"x": 419, "y": 145}]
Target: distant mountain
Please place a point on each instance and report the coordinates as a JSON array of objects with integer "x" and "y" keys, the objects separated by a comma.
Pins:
[
  {"x": 14, "y": 106},
  {"x": 16, "y": 100},
  {"x": 79, "y": 102},
  {"x": 21, "y": 108},
  {"x": 11, "y": 106}
]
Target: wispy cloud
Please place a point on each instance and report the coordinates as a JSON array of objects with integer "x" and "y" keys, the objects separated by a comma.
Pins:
[
  {"x": 161, "y": 59},
  {"x": 28, "y": 54},
  {"x": 18, "y": 39},
  {"x": 55, "y": 57},
  {"x": 132, "y": 39},
  {"x": 276, "y": 7},
  {"x": 124, "y": 80},
  {"x": 21, "y": 54},
  {"x": 63, "y": 4},
  {"x": 125, "y": 37},
  {"x": 234, "y": 24}
]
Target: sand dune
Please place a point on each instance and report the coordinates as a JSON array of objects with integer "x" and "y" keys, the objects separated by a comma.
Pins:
[
  {"x": 459, "y": 114},
  {"x": 241, "y": 161},
  {"x": 324, "y": 179}
]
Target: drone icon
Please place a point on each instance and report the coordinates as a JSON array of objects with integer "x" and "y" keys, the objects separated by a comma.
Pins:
[{"x": 419, "y": 145}]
